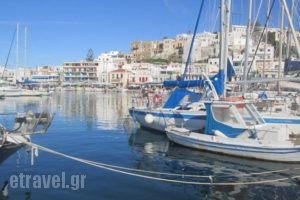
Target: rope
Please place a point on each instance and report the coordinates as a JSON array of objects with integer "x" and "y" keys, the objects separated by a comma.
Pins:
[{"x": 122, "y": 170}]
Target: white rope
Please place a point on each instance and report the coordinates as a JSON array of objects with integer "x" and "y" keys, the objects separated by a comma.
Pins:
[{"x": 121, "y": 170}]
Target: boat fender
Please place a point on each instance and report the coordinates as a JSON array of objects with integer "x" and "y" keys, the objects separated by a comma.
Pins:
[
  {"x": 149, "y": 118},
  {"x": 220, "y": 134}
]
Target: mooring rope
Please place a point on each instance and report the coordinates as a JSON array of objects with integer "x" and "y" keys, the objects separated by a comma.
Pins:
[{"x": 124, "y": 170}]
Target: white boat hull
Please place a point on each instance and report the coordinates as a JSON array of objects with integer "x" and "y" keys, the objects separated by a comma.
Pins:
[
  {"x": 161, "y": 118},
  {"x": 284, "y": 151}
]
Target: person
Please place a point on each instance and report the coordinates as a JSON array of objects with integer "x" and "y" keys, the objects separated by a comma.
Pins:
[{"x": 157, "y": 99}]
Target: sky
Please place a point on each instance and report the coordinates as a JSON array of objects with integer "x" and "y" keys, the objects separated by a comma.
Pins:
[{"x": 59, "y": 31}]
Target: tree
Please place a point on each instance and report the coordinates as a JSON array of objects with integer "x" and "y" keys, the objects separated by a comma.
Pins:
[{"x": 90, "y": 55}]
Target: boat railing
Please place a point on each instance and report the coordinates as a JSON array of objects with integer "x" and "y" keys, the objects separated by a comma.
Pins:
[
  {"x": 150, "y": 99},
  {"x": 32, "y": 123}
]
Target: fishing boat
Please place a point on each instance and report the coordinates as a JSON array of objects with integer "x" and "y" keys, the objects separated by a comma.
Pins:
[{"x": 237, "y": 129}]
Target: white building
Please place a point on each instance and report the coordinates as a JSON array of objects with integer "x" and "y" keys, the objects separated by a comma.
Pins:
[{"x": 108, "y": 62}]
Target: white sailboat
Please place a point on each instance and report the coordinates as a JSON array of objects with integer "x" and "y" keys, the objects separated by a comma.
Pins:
[
  {"x": 183, "y": 107},
  {"x": 236, "y": 128}
]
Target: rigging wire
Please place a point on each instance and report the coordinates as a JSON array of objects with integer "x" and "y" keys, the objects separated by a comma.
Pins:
[
  {"x": 261, "y": 35},
  {"x": 192, "y": 42},
  {"x": 256, "y": 17},
  {"x": 11, "y": 44}
]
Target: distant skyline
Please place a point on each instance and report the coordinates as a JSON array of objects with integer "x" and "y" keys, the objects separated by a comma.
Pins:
[{"x": 64, "y": 30}]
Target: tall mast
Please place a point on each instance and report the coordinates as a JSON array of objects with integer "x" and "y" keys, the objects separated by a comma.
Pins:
[
  {"x": 280, "y": 40},
  {"x": 266, "y": 41},
  {"x": 224, "y": 30},
  {"x": 222, "y": 43},
  {"x": 25, "y": 45},
  {"x": 292, "y": 26},
  {"x": 227, "y": 27},
  {"x": 222, "y": 39},
  {"x": 17, "y": 46},
  {"x": 289, "y": 31},
  {"x": 247, "y": 47}
]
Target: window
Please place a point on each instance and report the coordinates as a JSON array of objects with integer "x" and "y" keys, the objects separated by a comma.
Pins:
[{"x": 224, "y": 115}]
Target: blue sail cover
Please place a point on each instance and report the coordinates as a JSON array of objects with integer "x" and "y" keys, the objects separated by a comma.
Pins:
[
  {"x": 184, "y": 84},
  {"x": 230, "y": 70},
  {"x": 178, "y": 94},
  {"x": 218, "y": 82}
]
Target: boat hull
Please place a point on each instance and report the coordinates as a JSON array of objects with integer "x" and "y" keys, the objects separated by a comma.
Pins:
[
  {"x": 161, "y": 118},
  {"x": 281, "y": 152}
]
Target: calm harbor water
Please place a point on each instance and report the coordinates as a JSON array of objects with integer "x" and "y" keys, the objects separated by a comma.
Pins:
[{"x": 96, "y": 127}]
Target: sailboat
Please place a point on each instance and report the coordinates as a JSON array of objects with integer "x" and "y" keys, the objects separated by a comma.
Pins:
[
  {"x": 184, "y": 106},
  {"x": 180, "y": 109},
  {"x": 236, "y": 128}
]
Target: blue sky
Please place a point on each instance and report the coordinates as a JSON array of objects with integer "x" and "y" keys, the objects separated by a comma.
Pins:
[{"x": 64, "y": 30}]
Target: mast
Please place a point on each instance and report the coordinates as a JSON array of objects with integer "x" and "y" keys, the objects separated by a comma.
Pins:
[
  {"x": 222, "y": 38},
  {"x": 280, "y": 41},
  {"x": 224, "y": 30},
  {"x": 247, "y": 47},
  {"x": 292, "y": 26},
  {"x": 25, "y": 46},
  {"x": 289, "y": 31},
  {"x": 227, "y": 27},
  {"x": 222, "y": 34},
  {"x": 17, "y": 46},
  {"x": 280, "y": 46},
  {"x": 266, "y": 41}
]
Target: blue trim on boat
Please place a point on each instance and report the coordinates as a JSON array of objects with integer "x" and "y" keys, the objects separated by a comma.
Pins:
[
  {"x": 281, "y": 121},
  {"x": 241, "y": 148},
  {"x": 202, "y": 117},
  {"x": 169, "y": 115}
]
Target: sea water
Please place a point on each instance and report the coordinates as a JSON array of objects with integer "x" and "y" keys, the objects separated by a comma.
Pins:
[{"x": 128, "y": 162}]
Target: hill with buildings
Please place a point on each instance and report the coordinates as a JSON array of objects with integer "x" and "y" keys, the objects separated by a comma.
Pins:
[{"x": 157, "y": 61}]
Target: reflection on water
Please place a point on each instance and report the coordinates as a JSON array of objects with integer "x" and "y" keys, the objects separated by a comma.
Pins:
[
  {"x": 158, "y": 154},
  {"x": 95, "y": 126},
  {"x": 107, "y": 109}
]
